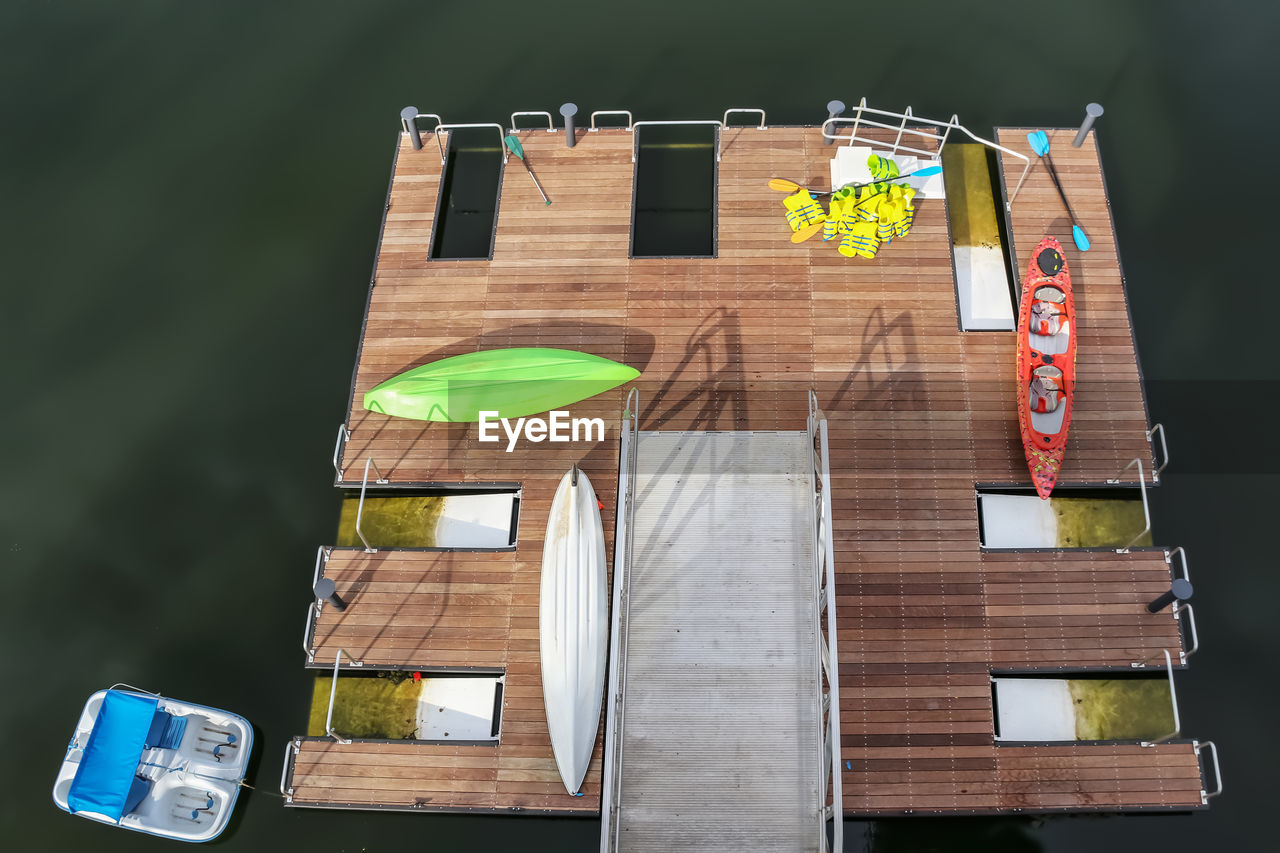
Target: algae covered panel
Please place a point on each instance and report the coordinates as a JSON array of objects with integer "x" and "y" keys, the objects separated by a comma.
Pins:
[{"x": 971, "y": 203}]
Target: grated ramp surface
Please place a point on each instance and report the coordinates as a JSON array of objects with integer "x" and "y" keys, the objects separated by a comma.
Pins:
[{"x": 721, "y": 729}]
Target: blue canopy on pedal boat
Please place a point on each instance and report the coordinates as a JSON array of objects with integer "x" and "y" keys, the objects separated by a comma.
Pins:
[{"x": 108, "y": 769}]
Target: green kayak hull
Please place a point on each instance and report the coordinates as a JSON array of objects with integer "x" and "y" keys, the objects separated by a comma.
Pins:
[{"x": 511, "y": 382}]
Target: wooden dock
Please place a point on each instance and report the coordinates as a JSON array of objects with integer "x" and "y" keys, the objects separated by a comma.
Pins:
[{"x": 919, "y": 414}]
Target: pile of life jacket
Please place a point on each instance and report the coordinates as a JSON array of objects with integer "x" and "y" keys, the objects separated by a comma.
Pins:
[{"x": 862, "y": 218}]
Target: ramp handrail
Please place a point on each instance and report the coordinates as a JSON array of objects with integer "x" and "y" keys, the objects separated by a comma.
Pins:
[
  {"x": 344, "y": 435},
  {"x": 725, "y": 120},
  {"x": 364, "y": 484},
  {"x": 333, "y": 691},
  {"x": 1178, "y": 610},
  {"x": 1146, "y": 510},
  {"x": 502, "y": 136},
  {"x": 1164, "y": 451},
  {"x": 551, "y": 128},
  {"x": 622, "y": 548},
  {"x": 825, "y": 584},
  {"x": 1173, "y": 698},
  {"x": 626, "y": 113},
  {"x": 902, "y": 127}
]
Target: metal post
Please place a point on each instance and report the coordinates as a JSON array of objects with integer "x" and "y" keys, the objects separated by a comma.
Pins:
[
  {"x": 1091, "y": 114},
  {"x": 834, "y": 108},
  {"x": 409, "y": 118},
  {"x": 326, "y": 590},
  {"x": 1180, "y": 591},
  {"x": 569, "y": 111}
]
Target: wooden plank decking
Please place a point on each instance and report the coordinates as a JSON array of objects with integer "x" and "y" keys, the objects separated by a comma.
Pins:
[{"x": 919, "y": 413}]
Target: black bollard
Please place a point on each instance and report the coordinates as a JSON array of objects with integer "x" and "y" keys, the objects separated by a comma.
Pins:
[
  {"x": 834, "y": 108},
  {"x": 409, "y": 118},
  {"x": 1180, "y": 591},
  {"x": 325, "y": 590},
  {"x": 569, "y": 111}
]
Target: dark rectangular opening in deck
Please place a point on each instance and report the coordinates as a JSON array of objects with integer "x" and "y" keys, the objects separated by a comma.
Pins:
[
  {"x": 673, "y": 206},
  {"x": 467, "y": 210}
]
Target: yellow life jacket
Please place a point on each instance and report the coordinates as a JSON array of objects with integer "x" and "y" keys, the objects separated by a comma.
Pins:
[
  {"x": 903, "y": 225},
  {"x": 860, "y": 240},
  {"x": 882, "y": 168},
  {"x": 802, "y": 210},
  {"x": 835, "y": 224}
]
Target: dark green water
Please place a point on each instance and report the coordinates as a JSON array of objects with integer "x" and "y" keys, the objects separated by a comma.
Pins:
[{"x": 191, "y": 194}]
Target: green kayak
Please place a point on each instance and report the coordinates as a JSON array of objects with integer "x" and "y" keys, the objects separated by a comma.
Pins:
[{"x": 511, "y": 382}]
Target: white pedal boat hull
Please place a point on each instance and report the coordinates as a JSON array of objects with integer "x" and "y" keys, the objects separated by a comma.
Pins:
[
  {"x": 191, "y": 786},
  {"x": 573, "y": 626}
]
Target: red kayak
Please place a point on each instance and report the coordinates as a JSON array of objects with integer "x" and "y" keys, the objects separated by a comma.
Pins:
[{"x": 1046, "y": 363}]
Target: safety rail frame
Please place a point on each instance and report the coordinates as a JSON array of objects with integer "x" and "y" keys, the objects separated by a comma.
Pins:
[
  {"x": 1146, "y": 509},
  {"x": 635, "y": 126},
  {"x": 622, "y": 541},
  {"x": 333, "y": 691},
  {"x": 1179, "y": 607},
  {"x": 1205, "y": 795},
  {"x": 724, "y": 122},
  {"x": 344, "y": 435},
  {"x": 627, "y": 113},
  {"x": 551, "y": 127},
  {"x": 308, "y": 634},
  {"x": 291, "y": 751},
  {"x": 364, "y": 485},
  {"x": 1164, "y": 451},
  {"x": 858, "y": 120},
  {"x": 825, "y": 590}
]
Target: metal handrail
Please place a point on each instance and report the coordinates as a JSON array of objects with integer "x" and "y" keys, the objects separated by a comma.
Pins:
[
  {"x": 502, "y": 136},
  {"x": 320, "y": 555},
  {"x": 1146, "y": 509},
  {"x": 824, "y": 565},
  {"x": 626, "y": 113},
  {"x": 364, "y": 484},
  {"x": 1164, "y": 451},
  {"x": 405, "y": 124},
  {"x": 333, "y": 691},
  {"x": 1217, "y": 768},
  {"x": 1173, "y": 698},
  {"x": 306, "y": 634},
  {"x": 132, "y": 687},
  {"x": 290, "y": 746},
  {"x": 1186, "y": 569},
  {"x": 1191, "y": 627},
  {"x": 635, "y": 142},
  {"x": 551, "y": 128},
  {"x": 628, "y": 441},
  {"x": 344, "y": 435},
  {"x": 725, "y": 121},
  {"x": 858, "y": 120}
]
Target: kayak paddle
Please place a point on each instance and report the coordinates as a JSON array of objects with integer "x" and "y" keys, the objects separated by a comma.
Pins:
[
  {"x": 518, "y": 150},
  {"x": 785, "y": 186},
  {"x": 1040, "y": 144}
]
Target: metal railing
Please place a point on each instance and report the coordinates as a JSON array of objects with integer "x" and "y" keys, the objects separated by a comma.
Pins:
[
  {"x": 1173, "y": 699},
  {"x": 902, "y": 127},
  {"x": 635, "y": 127},
  {"x": 825, "y": 588},
  {"x": 364, "y": 485},
  {"x": 333, "y": 691},
  {"x": 290, "y": 751},
  {"x": 551, "y": 128},
  {"x": 307, "y": 634},
  {"x": 344, "y": 435},
  {"x": 1181, "y": 606},
  {"x": 622, "y": 547},
  {"x": 1146, "y": 509},
  {"x": 1198, "y": 745},
  {"x": 502, "y": 136},
  {"x": 724, "y": 122},
  {"x": 405, "y": 124},
  {"x": 627, "y": 113},
  {"x": 1164, "y": 451}
]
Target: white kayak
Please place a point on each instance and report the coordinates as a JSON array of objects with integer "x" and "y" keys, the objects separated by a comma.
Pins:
[{"x": 573, "y": 625}]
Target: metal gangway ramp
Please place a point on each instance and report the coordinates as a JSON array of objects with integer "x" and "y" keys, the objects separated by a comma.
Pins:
[{"x": 721, "y": 703}]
